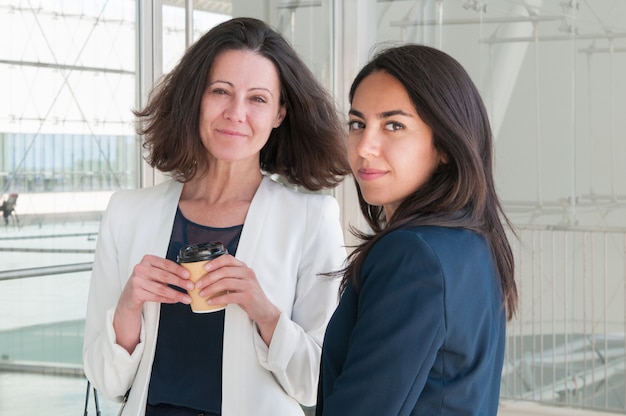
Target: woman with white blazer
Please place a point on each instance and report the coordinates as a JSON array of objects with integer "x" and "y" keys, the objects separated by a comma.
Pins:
[{"x": 239, "y": 109}]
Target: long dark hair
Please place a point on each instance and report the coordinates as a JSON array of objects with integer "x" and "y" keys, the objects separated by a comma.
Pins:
[
  {"x": 307, "y": 149},
  {"x": 460, "y": 193}
]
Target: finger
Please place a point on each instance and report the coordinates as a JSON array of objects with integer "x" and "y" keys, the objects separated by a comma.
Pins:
[
  {"x": 164, "y": 271},
  {"x": 149, "y": 291},
  {"x": 230, "y": 285},
  {"x": 223, "y": 279},
  {"x": 164, "y": 264},
  {"x": 168, "y": 278},
  {"x": 166, "y": 294},
  {"x": 223, "y": 298},
  {"x": 226, "y": 260},
  {"x": 209, "y": 288}
]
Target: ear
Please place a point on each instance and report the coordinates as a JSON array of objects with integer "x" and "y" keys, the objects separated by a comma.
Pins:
[
  {"x": 443, "y": 158},
  {"x": 282, "y": 112}
]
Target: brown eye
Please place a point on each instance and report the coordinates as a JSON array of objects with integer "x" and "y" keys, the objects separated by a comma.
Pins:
[
  {"x": 393, "y": 126},
  {"x": 355, "y": 125}
]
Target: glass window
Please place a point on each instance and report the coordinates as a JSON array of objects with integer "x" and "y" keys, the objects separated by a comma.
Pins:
[{"x": 67, "y": 141}]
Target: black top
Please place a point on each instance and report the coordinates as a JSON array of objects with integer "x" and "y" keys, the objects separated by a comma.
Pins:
[{"x": 187, "y": 367}]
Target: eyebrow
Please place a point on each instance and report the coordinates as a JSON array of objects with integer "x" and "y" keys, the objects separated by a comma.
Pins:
[
  {"x": 384, "y": 114},
  {"x": 250, "y": 89}
]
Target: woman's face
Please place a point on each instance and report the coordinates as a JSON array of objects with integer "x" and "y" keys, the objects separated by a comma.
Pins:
[
  {"x": 390, "y": 148},
  {"x": 240, "y": 106}
]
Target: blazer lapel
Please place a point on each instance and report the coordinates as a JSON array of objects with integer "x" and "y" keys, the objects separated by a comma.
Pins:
[{"x": 253, "y": 225}]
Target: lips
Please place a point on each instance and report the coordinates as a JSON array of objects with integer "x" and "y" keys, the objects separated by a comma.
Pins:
[
  {"x": 369, "y": 174},
  {"x": 231, "y": 133}
]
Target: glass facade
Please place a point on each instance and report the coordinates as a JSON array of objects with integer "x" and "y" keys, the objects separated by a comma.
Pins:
[
  {"x": 38, "y": 162},
  {"x": 552, "y": 77},
  {"x": 68, "y": 81}
]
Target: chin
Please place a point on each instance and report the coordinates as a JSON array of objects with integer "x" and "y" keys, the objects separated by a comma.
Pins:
[{"x": 373, "y": 201}]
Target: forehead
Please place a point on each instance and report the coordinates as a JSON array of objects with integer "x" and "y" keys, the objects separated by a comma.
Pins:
[
  {"x": 380, "y": 92},
  {"x": 244, "y": 66}
]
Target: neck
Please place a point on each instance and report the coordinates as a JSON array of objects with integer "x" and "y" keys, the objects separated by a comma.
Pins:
[{"x": 222, "y": 188}]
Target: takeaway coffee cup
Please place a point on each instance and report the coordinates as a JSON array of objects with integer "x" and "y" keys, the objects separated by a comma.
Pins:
[{"x": 192, "y": 257}]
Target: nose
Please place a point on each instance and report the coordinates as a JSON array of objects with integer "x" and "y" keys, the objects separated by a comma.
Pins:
[
  {"x": 235, "y": 110},
  {"x": 368, "y": 144}
]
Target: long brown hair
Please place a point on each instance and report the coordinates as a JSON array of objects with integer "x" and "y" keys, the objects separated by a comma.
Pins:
[
  {"x": 460, "y": 193},
  {"x": 307, "y": 149}
]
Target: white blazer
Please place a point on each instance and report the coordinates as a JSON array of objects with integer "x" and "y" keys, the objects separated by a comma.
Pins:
[{"x": 288, "y": 238}]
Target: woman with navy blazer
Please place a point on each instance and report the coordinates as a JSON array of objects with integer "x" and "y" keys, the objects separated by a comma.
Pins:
[
  {"x": 420, "y": 327},
  {"x": 238, "y": 110}
]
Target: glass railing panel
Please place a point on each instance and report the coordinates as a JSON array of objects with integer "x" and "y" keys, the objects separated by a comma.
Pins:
[
  {"x": 43, "y": 291},
  {"x": 566, "y": 346}
]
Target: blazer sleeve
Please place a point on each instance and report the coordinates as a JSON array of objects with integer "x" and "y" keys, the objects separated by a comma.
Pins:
[
  {"x": 400, "y": 326},
  {"x": 293, "y": 356},
  {"x": 108, "y": 366}
]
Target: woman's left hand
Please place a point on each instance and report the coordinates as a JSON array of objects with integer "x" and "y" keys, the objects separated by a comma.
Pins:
[{"x": 231, "y": 275}]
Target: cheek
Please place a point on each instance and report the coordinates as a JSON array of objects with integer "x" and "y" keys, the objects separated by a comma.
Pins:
[
  {"x": 263, "y": 119},
  {"x": 430, "y": 164},
  {"x": 416, "y": 166},
  {"x": 208, "y": 110}
]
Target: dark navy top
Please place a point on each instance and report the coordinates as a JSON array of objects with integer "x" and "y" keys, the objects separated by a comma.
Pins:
[
  {"x": 187, "y": 367},
  {"x": 425, "y": 333}
]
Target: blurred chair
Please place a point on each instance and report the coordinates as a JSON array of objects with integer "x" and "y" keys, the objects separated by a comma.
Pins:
[{"x": 8, "y": 209}]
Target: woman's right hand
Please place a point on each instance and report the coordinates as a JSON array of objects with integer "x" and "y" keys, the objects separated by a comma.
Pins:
[{"x": 149, "y": 282}]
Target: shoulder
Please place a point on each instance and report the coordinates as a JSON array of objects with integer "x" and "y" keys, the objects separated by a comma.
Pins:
[
  {"x": 425, "y": 247},
  {"x": 145, "y": 199},
  {"x": 403, "y": 252},
  {"x": 430, "y": 238},
  {"x": 409, "y": 239},
  {"x": 404, "y": 258},
  {"x": 141, "y": 209},
  {"x": 461, "y": 257}
]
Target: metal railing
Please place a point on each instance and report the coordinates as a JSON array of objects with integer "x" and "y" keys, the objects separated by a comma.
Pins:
[
  {"x": 42, "y": 334},
  {"x": 566, "y": 346}
]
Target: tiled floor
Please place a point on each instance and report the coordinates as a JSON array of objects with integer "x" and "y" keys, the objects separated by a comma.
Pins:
[
  {"x": 24, "y": 394},
  {"x": 518, "y": 408}
]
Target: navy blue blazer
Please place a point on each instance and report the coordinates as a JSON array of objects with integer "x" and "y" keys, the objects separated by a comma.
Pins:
[{"x": 424, "y": 336}]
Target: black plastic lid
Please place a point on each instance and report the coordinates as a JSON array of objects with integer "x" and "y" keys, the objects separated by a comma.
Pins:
[{"x": 201, "y": 252}]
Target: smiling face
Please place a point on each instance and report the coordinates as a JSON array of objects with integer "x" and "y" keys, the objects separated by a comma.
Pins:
[
  {"x": 390, "y": 148},
  {"x": 240, "y": 106}
]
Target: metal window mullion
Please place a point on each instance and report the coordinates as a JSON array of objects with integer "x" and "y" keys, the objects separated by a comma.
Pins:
[
  {"x": 188, "y": 23},
  {"x": 149, "y": 67}
]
